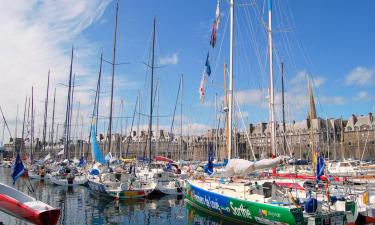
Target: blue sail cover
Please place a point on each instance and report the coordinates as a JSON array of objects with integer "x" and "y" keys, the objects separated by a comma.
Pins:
[{"x": 95, "y": 150}]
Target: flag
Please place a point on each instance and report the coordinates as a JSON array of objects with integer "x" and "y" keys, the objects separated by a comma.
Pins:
[
  {"x": 18, "y": 168},
  {"x": 47, "y": 157},
  {"x": 202, "y": 86},
  {"x": 208, "y": 66},
  {"x": 213, "y": 35},
  {"x": 81, "y": 162},
  {"x": 319, "y": 168},
  {"x": 108, "y": 156},
  {"x": 217, "y": 16}
]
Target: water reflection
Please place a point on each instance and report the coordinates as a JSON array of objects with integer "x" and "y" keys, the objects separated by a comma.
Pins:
[{"x": 79, "y": 206}]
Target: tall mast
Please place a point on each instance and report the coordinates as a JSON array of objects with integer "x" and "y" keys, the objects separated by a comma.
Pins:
[
  {"x": 45, "y": 115},
  {"x": 32, "y": 123},
  {"x": 283, "y": 105},
  {"x": 71, "y": 108},
  {"x": 121, "y": 133},
  {"x": 53, "y": 117},
  {"x": 272, "y": 95},
  {"x": 231, "y": 79},
  {"x": 226, "y": 111},
  {"x": 23, "y": 126},
  {"x": 67, "y": 114},
  {"x": 179, "y": 155},
  {"x": 113, "y": 80},
  {"x": 152, "y": 89},
  {"x": 15, "y": 130}
]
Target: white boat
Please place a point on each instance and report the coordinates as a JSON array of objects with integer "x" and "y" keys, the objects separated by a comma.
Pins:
[
  {"x": 69, "y": 180},
  {"x": 120, "y": 186},
  {"x": 168, "y": 183},
  {"x": 20, "y": 205}
]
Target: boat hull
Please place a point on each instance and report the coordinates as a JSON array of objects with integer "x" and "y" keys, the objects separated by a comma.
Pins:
[
  {"x": 239, "y": 210},
  {"x": 78, "y": 180},
  {"x": 169, "y": 188},
  {"x": 101, "y": 188},
  {"x": 28, "y": 208}
]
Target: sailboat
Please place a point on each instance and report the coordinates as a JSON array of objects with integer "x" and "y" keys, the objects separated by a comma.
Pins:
[
  {"x": 67, "y": 174},
  {"x": 116, "y": 183},
  {"x": 255, "y": 200}
]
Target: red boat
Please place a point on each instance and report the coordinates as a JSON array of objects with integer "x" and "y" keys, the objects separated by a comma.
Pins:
[{"x": 20, "y": 205}]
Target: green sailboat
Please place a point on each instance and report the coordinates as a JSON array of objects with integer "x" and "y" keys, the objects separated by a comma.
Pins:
[{"x": 253, "y": 201}]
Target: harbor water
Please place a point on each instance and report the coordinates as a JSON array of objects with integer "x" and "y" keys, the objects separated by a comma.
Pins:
[{"x": 79, "y": 206}]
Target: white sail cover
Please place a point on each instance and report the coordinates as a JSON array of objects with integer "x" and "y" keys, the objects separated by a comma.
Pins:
[
  {"x": 243, "y": 167},
  {"x": 238, "y": 167}
]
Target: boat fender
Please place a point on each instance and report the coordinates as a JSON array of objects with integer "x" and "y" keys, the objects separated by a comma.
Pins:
[{"x": 311, "y": 205}]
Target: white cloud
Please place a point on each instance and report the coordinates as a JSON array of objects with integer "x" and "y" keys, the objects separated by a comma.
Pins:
[
  {"x": 169, "y": 59},
  {"x": 333, "y": 100},
  {"x": 362, "y": 96},
  {"x": 360, "y": 76},
  {"x": 37, "y": 36},
  {"x": 300, "y": 80}
]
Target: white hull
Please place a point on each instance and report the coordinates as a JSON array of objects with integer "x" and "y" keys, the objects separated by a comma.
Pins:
[
  {"x": 34, "y": 175},
  {"x": 170, "y": 188},
  {"x": 62, "y": 181}
]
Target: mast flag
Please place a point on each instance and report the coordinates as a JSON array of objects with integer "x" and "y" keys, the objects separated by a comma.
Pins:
[{"x": 208, "y": 66}]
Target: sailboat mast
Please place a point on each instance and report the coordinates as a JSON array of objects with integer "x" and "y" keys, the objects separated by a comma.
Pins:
[
  {"x": 32, "y": 124},
  {"x": 113, "y": 80},
  {"x": 182, "y": 82},
  {"x": 53, "y": 117},
  {"x": 45, "y": 115},
  {"x": 152, "y": 89},
  {"x": 23, "y": 126},
  {"x": 271, "y": 94},
  {"x": 67, "y": 114},
  {"x": 283, "y": 105},
  {"x": 231, "y": 79}
]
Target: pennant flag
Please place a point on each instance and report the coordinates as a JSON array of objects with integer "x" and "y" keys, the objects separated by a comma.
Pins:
[
  {"x": 202, "y": 86},
  {"x": 18, "y": 168},
  {"x": 213, "y": 35},
  {"x": 47, "y": 157},
  {"x": 217, "y": 18},
  {"x": 108, "y": 156},
  {"x": 208, "y": 66}
]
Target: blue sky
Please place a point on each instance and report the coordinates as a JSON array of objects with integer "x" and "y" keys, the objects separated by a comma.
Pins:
[{"x": 329, "y": 41}]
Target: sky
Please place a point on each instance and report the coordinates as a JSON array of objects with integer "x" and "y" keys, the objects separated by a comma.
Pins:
[{"x": 329, "y": 42}]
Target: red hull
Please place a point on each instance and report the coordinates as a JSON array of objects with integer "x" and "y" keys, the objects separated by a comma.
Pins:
[{"x": 22, "y": 211}]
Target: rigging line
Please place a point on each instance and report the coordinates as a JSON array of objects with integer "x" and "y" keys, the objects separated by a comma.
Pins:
[
  {"x": 244, "y": 125},
  {"x": 5, "y": 122},
  {"x": 254, "y": 43},
  {"x": 221, "y": 43}
]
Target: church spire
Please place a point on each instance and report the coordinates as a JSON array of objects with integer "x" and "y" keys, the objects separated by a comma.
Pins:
[{"x": 312, "y": 111}]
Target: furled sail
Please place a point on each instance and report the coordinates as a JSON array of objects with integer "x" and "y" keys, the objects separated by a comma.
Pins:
[
  {"x": 95, "y": 150},
  {"x": 243, "y": 167}
]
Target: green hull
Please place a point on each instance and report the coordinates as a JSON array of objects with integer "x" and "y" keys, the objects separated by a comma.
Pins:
[{"x": 242, "y": 210}]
